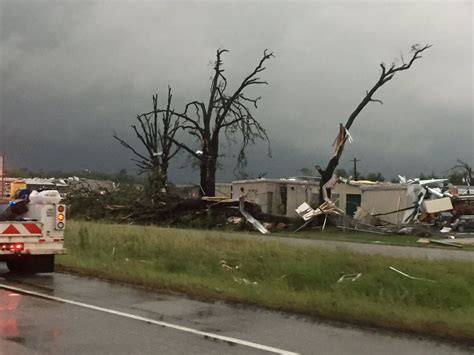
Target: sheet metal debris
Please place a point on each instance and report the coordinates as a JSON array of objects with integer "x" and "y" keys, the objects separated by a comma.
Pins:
[
  {"x": 257, "y": 224},
  {"x": 432, "y": 206},
  {"x": 351, "y": 277},
  {"x": 308, "y": 214},
  {"x": 408, "y": 276}
]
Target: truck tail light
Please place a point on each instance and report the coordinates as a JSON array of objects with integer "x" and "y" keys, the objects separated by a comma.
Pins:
[
  {"x": 11, "y": 246},
  {"x": 60, "y": 217}
]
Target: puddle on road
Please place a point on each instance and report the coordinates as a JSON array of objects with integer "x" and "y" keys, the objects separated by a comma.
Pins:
[{"x": 17, "y": 325}]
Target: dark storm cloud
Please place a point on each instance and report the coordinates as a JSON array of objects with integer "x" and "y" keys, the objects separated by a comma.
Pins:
[{"x": 73, "y": 72}]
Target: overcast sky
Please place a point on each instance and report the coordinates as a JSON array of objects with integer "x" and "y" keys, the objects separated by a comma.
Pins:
[{"x": 72, "y": 72}]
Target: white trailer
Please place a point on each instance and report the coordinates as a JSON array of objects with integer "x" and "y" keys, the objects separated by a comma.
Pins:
[{"x": 29, "y": 243}]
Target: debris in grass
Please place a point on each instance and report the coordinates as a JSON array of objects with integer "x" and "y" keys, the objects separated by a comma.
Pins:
[
  {"x": 235, "y": 220},
  {"x": 361, "y": 230},
  {"x": 257, "y": 224},
  {"x": 227, "y": 267},
  {"x": 423, "y": 240},
  {"x": 449, "y": 244},
  {"x": 351, "y": 277},
  {"x": 410, "y": 277},
  {"x": 406, "y": 230},
  {"x": 244, "y": 281}
]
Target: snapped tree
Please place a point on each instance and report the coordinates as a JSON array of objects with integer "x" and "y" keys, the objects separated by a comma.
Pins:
[
  {"x": 387, "y": 74},
  {"x": 223, "y": 115},
  {"x": 155, "y": 131},
  {"x": 463, "y": 171}
]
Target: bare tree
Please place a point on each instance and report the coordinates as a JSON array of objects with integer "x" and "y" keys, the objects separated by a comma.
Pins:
[
  {"x": 222, "y": 116},
  {"x": 387, "y": 74},
  {"x": 155, "y": 131}
]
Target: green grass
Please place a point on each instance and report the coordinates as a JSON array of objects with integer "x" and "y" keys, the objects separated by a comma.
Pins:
[
  {"x": 281, "y": 276},
  {"x": 371, "y": 238},
  {"x": 355, "y": 236}
]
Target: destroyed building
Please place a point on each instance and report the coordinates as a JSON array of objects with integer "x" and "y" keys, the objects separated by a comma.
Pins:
[
  {"x": 373, "y": 198},
  {"x": 277, "y": 196}
]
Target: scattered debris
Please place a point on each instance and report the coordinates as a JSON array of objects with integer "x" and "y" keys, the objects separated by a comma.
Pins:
[
  {"x": 423, "y": 241},
  {"x": 410, "y": 277},
  {"x": 364, "y": 216},
  {"x": 244, "y": 281},
  {"x": 308, "y": 214},
  {"x": 406, "y": 230},
  {"x": 361, "y": 230},
  {"x": 464, "y": 241},
  {"x": 439, "y": 205},
  {"x": 227, "y": 267},
  {"x": 351, "y": 277},
  {"x": 257, "y": 224},
  {"x": 235, "y": 220},
  {"x": 446, "y": 243},
  {"x": 445, "y": 230}
]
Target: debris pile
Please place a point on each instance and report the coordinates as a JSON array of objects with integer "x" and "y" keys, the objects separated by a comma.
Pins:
[{"x": 430, "y": 207}]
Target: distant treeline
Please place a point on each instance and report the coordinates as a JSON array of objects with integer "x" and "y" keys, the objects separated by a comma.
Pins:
[{"x": 122, "y": 176}]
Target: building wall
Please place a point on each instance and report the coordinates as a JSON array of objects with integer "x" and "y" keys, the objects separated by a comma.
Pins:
[
  {"x": 264, "y": 193},
  {"x": 278, "y": 197},
  {"x": 375, "y": 199},
  {"x": 223, "y": 190},
  {"x": 341, "y": 191},
  {"x": 298, "y": 193},
  {"x": 386, "y": 200}
]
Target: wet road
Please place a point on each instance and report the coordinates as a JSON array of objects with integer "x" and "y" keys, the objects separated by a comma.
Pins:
[{"x": 108, "y": 318}]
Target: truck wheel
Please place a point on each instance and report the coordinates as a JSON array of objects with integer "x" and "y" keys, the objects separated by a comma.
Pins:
[
  {"x": 30, "y": 264},
  {"x": 15, "y": 266}
]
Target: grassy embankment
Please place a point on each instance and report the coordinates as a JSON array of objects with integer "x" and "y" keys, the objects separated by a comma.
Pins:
[
  {"x": 371, "y": 238},
  {"x": 281, "y": 276}
]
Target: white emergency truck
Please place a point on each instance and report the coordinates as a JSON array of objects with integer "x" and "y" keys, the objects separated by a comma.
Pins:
[{"x": 30, "y": 240}]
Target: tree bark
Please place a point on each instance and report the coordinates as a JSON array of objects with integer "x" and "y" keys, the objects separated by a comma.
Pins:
[
  {"x": 386, "y": 75},
  {"x": 224, "y": 114}
]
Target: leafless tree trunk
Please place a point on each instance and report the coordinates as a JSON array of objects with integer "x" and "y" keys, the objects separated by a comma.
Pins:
[
  {"x": 387, "y": 74},
  {"x": 155, "y": 131},
  {"x": 223, "y": 115}
]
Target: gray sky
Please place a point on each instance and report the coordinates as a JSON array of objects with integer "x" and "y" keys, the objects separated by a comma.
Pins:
[{"x": 73, "y": 72}]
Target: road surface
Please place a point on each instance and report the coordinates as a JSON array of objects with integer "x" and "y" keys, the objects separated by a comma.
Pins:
[{"x": 77, "y": 315}]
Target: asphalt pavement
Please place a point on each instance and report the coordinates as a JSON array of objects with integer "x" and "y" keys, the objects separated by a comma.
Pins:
[{"x": 76, "y": 315}]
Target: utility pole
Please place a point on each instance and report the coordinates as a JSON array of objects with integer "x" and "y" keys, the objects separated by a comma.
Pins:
[{"x": 355, "y": 160}]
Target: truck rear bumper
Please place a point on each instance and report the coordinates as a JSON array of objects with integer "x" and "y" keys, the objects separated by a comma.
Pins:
[{"x": 4, "y": 255}]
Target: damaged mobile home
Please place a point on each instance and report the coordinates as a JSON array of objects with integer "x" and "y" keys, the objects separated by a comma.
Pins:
[{"x": 432, "y": 203}]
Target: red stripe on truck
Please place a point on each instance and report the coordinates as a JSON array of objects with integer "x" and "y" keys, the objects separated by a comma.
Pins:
[
  {"x": 32, "y": 228},
  {"x": 11, "y": 230}
]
